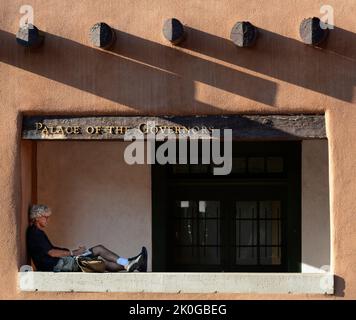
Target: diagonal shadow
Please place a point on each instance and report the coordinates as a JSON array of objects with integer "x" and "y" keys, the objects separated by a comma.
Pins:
[
  {"x": 329, "y": 70},
  {"x": 138, "y": 73},
  {"x": 193, "y": 68}
]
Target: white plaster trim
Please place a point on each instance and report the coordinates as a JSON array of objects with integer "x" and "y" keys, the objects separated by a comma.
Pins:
[{"x": 295, "y": 283}]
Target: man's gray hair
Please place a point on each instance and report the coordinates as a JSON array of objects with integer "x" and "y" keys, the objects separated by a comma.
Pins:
[{"x": 39, "y": 210}]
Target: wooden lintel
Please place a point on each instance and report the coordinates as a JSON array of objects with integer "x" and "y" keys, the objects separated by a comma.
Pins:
[{"x": 244, "y": 127}]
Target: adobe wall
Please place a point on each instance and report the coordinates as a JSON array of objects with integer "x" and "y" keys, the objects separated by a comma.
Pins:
[{"x": 145, "y": 75}]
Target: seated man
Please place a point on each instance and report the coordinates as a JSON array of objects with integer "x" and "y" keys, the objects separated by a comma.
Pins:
[{"x": 46, "y": 256}]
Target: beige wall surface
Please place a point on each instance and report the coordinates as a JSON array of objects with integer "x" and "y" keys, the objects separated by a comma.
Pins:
[
  {"x": 315, "y": 207},
  {"x": 144, "y": 75},
  {"x": 28, "y": 194},
  {"x": 96, "y": 198}
]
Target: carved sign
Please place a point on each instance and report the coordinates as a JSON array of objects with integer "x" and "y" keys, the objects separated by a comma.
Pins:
[{"x": 271, "y": 127}]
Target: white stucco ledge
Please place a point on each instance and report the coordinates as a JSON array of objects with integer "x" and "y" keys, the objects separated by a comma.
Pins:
[{"x": 289, "y": 283}]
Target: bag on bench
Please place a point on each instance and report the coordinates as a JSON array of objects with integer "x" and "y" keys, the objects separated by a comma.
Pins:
[{"x": 87, "y": 264}]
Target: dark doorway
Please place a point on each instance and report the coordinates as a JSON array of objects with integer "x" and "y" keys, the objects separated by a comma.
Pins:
[{"x": 247, "y": 221}]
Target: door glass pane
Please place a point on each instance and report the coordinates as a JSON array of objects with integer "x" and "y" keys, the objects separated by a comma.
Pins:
[
  {"x": 246, "y": 232},
  {"x": 186, "y": 255},
  {"x": 275, "y": 164},
  {"x": 246, "y": 223},
  {"x": 270, "y": 255},
  {"x": 209, "y": 209},
  {"x": 199, "y": 168},
  {"x": 197, "y": 231},
  {"x": 180, "y": 168},
  {"x": 270, "y": 209},
  {"x": 258, "y": 232},
  {"x": 256, "y": 165},
  {"x": 185, "y": 209},
  {"x": 246, "y": 210},
  {"x": 239, "y": 165},
  {"x": 209, "y": 232},
  {"x": 185, "y": 232},
  {"x": 246, "y": 255},
  {"x": 209, "y": 255},
  {"x": 270, "y": 233}
]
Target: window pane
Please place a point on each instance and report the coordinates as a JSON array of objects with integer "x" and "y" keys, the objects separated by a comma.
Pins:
[
  {"x": 270, "y": 232},
  {"x": 270, "y": 255},
  {"x": 246, "y": 210},
  {"x": 209, "y": 224},
  {"x": 239, "y": 165},
  {"x": 275, "y": 165},
  {"x": 246, "y": 232},
  {"x": 185, "y": 232},
  {"x": 209, "y": 209},
  {"x": 185, "y": 209},
  {"x": 186, "y": 255},
  {"x": 209, "y": 255},
  {"x": 209, "y": 232},
  {"x": 270, "y": 209},
  {"x": 199, "y": 168},
  {"x": 197, "y": 225},
  {"x": 180, "y": 168},
  {"x": 246, "y": 255},
  {"x": 256, "y": 165}
]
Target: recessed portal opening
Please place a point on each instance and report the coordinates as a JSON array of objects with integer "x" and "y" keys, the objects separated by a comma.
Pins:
[
  {"x": 260, "y": 218},
  {"x": 247, "y": 221},
  {"x": 95, "y": 197}
]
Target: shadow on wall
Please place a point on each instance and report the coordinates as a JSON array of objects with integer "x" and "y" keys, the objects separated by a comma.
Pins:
[
  {"x": 320, "y": 69},
  {"x": 138, "y": 73},
  {"x": 145, "y": 75},
  {"x": 339, "y": 286}
]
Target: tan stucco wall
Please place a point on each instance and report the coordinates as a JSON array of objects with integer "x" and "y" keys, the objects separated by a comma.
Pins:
[
  {"x": 315, "y": 207},
  {"x": 96, "y": 198},
  {"x": 145, "y": 75},
  {"x": 28, "y": 192}
]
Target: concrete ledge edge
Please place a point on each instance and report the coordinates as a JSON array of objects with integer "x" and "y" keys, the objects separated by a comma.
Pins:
[{"x": 274, "y": 283}]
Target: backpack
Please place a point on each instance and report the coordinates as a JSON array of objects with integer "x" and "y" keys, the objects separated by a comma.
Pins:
[{"x": 87, "y": 264}]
